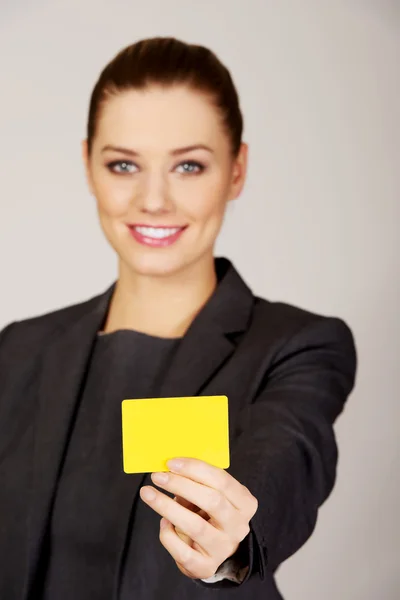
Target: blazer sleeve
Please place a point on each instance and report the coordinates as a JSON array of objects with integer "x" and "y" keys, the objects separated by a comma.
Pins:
[{"x": 286, "y": 452}]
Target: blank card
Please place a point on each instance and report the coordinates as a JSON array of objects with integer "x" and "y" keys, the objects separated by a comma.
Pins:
[{"x": 155, "y": 430}]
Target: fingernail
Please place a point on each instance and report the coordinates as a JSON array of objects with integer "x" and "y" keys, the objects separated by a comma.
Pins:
[
  {"x": 164, "y": 523},
  {"x": 148, "y": 494},
  {"x": 161, "y": 478},
  {"x": 175, "y": 464}
]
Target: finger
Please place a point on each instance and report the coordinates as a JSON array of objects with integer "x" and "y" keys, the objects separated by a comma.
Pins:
[
  {"x": 212, "y": 502},
  {"x": 213, "y": 541},
  {"x": 193, "y": 563},
  {"x": 218, "y": 479}
]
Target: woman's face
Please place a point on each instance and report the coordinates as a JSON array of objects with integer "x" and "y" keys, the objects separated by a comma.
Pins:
[{"x": 162, "y": 173}]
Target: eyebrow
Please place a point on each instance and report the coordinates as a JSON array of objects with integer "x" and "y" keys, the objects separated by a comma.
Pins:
[{"x": 175, "y": 152}]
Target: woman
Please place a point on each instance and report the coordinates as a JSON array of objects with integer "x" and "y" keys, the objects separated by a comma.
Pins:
[{"x": 164, "y": 156}]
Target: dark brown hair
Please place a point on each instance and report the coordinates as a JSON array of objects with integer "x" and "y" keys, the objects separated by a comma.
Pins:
[{"x": 166, "y": 61}]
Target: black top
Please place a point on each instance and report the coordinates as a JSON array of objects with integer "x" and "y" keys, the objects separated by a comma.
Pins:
[{"x": 87, "y": 526}]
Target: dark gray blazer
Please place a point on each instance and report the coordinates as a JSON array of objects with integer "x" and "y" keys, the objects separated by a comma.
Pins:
[{"x": 287, "y": 374}]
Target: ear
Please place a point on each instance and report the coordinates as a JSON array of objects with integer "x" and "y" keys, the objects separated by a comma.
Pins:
[
  {"x": 86, "y": 164},
  {"x": 239, "y": 172}
]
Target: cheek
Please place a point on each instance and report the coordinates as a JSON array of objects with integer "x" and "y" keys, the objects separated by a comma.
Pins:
[
  {"x": 209, "y": 202},
  {"x": 113, "y": 198}
]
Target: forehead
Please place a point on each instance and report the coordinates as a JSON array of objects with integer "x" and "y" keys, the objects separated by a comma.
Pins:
[{"x": 158, "y": 117}]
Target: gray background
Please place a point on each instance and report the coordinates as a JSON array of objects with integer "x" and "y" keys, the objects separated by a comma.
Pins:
[{"x": 317, "y": 224}]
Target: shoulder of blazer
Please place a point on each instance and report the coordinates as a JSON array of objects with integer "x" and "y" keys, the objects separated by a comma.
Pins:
[
  {"x": 286, "y": 329},
  {"x": 291, "y": 330},
  {"x": 288, "y": 319},
  {"x": 34, "y": 331},
  {"x": 281, "y": 311}
]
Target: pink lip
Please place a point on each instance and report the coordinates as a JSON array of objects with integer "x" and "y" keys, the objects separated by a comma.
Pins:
[{"x": 155, "y": 242}]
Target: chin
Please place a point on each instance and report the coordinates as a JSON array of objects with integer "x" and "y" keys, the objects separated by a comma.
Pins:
[{"x": 155, "y": 266}]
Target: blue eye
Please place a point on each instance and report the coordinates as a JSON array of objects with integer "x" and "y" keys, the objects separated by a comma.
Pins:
[
  {"x": 126, "y": 167},
  {"x": 121, "y": 166},
  {"x": 193, "y": 167}
]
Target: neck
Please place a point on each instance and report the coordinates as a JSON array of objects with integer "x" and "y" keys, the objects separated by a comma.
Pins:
[{"x": 162, "y": 306}]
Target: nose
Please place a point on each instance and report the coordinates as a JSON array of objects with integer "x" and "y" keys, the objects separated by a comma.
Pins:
[{"x": 154, "y": 197}]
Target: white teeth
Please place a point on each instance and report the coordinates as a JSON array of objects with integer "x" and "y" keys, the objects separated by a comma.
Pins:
[{"x": 157, "y": 233}]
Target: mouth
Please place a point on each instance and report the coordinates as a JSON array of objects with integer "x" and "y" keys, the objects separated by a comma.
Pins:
[{"x": 157, "y": 237}]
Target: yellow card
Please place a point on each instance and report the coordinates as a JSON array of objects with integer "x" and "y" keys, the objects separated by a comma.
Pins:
[{"x": 155, "y": 430}]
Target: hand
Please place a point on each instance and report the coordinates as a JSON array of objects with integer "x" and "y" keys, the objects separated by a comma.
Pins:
[{"x": 207, "y": 520}]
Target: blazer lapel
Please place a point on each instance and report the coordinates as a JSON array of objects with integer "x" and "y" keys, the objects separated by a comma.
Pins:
[{"x": 62, "y": 375}]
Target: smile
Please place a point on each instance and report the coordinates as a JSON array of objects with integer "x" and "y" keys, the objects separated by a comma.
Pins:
[{"x": 155, "y": 236}]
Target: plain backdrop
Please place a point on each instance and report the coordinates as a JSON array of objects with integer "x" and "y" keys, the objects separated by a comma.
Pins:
[{"x": 317, "y": 224}]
